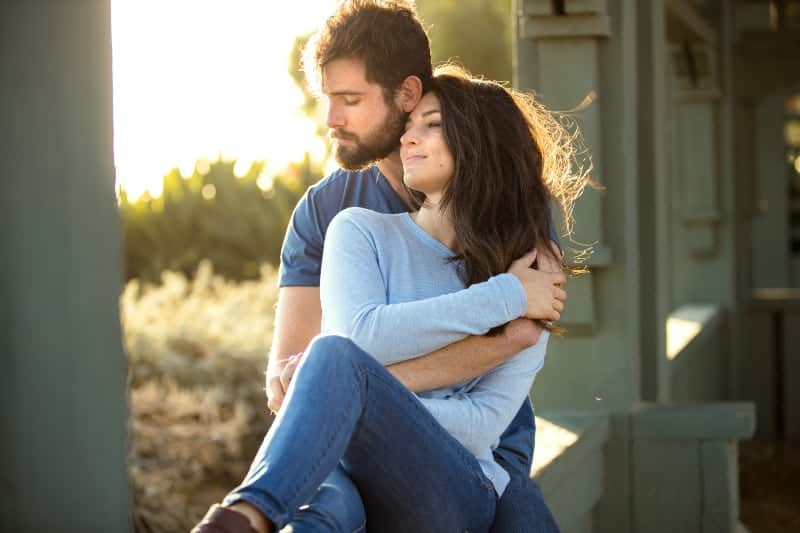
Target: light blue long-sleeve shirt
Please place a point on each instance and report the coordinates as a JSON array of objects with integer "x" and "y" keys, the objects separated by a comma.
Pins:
[{"x": 392, "y": 288}]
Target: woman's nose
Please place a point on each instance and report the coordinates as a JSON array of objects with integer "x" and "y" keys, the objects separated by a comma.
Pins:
[{"x": 408, "y": 137}]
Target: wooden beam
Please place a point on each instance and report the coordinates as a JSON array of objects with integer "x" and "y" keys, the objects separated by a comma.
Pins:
[{"x": 684, "y": 21}]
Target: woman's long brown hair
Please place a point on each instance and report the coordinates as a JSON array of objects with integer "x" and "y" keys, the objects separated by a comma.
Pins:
[{"x": 513, "y": 159}]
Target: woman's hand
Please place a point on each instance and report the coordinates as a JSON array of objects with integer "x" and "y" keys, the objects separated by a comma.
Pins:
[{"x": 542, "y": 289}]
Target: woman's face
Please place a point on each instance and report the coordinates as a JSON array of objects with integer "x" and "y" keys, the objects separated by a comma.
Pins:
[{"x": 427, "y": 162}]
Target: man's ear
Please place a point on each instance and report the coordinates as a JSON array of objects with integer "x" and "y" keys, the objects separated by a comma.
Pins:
[{"x": 409, "y": 93}]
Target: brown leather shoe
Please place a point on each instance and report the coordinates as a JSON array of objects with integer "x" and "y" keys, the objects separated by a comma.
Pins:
[{"x": 220, "y": 519}]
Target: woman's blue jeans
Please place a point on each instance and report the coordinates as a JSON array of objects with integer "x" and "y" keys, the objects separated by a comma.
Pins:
[{"x": 350, "y": 433}]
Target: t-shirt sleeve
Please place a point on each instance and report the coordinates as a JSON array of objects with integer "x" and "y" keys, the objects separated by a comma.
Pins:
[{"x": 301, "y": 254}]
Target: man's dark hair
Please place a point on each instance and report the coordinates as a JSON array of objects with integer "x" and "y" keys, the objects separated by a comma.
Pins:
[{"x": 386, "y": 34}]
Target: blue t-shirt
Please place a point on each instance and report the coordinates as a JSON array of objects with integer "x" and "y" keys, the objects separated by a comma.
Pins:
[{"x": 301, "y": 254}]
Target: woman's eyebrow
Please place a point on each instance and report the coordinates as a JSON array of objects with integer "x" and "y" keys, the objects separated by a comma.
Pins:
[{"x": 423, "y": 115}]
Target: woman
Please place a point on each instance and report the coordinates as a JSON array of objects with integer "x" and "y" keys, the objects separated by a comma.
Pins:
[{"x": 483, "y": 163}]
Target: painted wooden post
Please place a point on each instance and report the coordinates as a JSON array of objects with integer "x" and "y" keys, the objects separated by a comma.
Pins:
[
  {"x": 63, "y": 384},
  {"x": 563, "y": 57}
]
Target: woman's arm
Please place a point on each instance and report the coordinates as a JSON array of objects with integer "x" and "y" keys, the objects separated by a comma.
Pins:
[
  {"x": 477, "y": 418},
  {"x": 354, "y": 301}
]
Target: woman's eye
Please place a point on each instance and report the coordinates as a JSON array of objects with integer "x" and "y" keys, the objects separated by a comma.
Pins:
[
  {"x": 351, "y": 102},
  {"x": 434, "y": 124}
]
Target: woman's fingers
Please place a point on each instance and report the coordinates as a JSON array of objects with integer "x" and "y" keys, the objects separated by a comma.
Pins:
[
  {"x": 525, "y": 261},
  {"x": 560, "y": 294}
]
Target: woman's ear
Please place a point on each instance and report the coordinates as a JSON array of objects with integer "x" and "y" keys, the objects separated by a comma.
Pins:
[{"x": 409, "y": 93}]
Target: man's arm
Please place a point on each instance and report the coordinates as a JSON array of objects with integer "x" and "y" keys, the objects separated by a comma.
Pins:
[
  {"x": 297, "y": 321},
  {"x": 298, "y": 316},
  {"x": 467, "y": 358}
]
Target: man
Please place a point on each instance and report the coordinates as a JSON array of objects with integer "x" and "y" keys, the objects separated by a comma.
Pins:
[{"x": 372, "y": 61}]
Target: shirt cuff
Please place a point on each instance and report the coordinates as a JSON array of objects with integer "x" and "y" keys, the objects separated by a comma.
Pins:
[{"x": 513, "y": 293}]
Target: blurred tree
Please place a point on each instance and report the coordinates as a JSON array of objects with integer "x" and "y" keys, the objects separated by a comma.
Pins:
[
  {"x": 236, "y": 222},
  {"x": 474, "y": 33},
  {"x": 311, "y": 105}
]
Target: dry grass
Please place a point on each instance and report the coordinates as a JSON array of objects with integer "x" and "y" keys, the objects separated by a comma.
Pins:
[{"x": 197, "y": 351}]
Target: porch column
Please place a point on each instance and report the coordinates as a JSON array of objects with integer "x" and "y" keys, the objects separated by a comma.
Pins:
[{"x": 63, "y": 381}]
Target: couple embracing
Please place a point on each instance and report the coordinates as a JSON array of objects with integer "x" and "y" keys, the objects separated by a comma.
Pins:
[{"x": 406, "y": 346}]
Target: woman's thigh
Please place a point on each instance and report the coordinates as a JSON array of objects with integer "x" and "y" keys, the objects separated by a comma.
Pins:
[{"x": 411, "y": 473}]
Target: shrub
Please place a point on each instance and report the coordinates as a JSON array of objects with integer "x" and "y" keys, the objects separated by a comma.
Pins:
[
  {"x": 237, "y": 223},
  {"x": 197, "y": 350}
]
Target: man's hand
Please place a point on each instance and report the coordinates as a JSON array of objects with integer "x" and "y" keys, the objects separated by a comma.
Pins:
[
  {"x": 543, "y": 289},
  {"x": 275, "y": 390},
  {"x": 297, "y": 321},
  {"x": 278, "y": 384}
]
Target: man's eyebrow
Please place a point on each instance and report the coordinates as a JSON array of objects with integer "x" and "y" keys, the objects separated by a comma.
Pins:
[{"x": 346, "y": 93}]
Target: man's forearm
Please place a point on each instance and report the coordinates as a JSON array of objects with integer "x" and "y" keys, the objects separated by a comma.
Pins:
[
  {"x": 465, "y": 359},
  {"x": 297, "y": 321}
]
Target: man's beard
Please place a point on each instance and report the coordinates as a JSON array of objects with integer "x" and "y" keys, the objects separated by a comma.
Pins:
[{"x": 381, "y": 142}]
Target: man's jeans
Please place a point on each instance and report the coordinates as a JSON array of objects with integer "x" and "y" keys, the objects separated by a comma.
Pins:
[{"x": 347, "y": 423}]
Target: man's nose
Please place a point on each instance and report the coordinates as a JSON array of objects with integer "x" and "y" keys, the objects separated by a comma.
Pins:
[{"x": 334, "y": 117}]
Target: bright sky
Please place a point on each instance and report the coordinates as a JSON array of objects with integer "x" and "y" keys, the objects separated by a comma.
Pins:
[{"x": 194, "y": 78}]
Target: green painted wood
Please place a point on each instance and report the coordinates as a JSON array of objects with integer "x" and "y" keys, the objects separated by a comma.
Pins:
[
  {"x": 579, "y": 524},
  {"x": 720, "y": 477},
  {"x": 592, "y": 430},
  {"x": 715, "y": 421},
  {"x": 653, "y": 244},
  {"x": 581, "y": 7},
  {"x": 571, "y": 7},
  {"x": 580, "y": 319},
  {"x": 667, "y": 486},
  {"x": 614, "y": 510},
  {"x": 574, "y": 25},
  {"x": 576, "y": 494},
  {"x": 770, "y": 254},
  {"x": 572, "y": 483},
  {"x": 600, "y": 370},
  {"x": 699, "y": 374},
  {"x": 62, "y": 389},
  {"x": 537, "y": 7},
  {"x": 563, "y": 87},
  {"x": 697, "y": 179}
]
